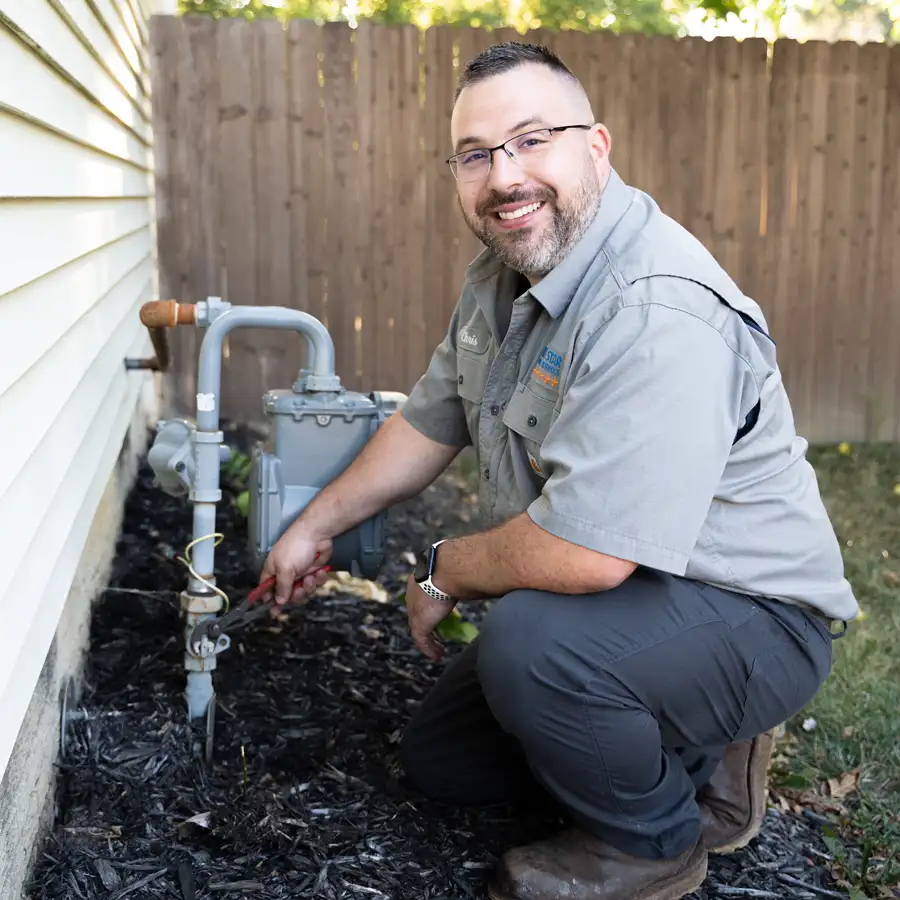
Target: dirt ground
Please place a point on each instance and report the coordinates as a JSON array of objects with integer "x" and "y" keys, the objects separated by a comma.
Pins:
[{"x": 304, "y": 796}]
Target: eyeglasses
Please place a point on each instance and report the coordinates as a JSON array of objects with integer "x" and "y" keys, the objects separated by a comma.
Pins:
[{"x": 473, "y": 165}]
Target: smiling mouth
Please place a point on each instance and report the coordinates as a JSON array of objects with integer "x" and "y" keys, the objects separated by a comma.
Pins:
[{"x": 521, "y": 211}]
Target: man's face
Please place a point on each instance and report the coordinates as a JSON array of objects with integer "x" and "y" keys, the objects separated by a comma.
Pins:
[{"x": 565, "y": 180}]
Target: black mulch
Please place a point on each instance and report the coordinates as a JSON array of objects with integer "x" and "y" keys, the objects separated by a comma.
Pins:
[{"x": 304, "y": 797}]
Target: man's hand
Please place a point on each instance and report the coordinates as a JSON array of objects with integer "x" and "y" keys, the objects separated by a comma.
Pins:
[
  {"x": 297, "y": 555},
  {"x": 425, "y": 614}
]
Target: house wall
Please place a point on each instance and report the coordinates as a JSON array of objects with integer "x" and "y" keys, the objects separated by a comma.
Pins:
[{"x": 77, "y": 259}]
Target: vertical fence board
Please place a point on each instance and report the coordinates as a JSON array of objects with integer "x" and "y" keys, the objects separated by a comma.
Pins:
[
  {"x": 170, "y": 169},
  {"x": 608, "y": 89},
  {"x": 836, "y": 152},
  {"x": 750, "y": 161},
  {"x": 686, "y": 101},
  {"x": 308, "y": 169},
  {"x": 413, "y": 209},
  {"x": 279, "y": 353},
  {"x": 439, "y": 295},
  {"x": 241, "y": 384},
  {"x": 723, "y": 133},
  {"x": 379, "y": 333},
  {"x": 886, "y": 358},
  {"x": 806, "y": 304},
  {"x": 341, "y": 188},
  {"x": 298, "y": 167},
  {"x": 860, "y": 412},
  {"x": 781, "y": 253},
  {"x": 367, "y": 165}
]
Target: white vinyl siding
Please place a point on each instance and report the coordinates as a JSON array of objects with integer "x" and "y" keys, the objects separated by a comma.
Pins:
[
  {"x": 76, "y": 261},
  {"x": 34, "y": 162}
]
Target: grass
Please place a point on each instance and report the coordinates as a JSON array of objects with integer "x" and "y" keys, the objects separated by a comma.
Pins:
[{"x": 857, "y": 712}]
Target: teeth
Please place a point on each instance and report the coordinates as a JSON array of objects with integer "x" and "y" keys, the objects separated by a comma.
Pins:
[{"x": 522, "y": 211}]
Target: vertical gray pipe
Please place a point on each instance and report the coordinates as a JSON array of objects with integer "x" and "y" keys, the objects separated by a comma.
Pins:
[
  {"x": 207, "y": 440},
  {"x": 206, "y": 478}
]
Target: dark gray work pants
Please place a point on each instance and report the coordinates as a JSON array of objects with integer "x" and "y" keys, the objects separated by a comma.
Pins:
[{"x": 618, "y": 704}]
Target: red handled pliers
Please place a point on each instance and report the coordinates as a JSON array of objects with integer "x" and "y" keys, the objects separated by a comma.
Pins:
[{"x": 209, "y": 636}]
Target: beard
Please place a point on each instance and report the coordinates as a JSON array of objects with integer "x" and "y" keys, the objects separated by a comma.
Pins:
[{"x": 536, "y": 254}]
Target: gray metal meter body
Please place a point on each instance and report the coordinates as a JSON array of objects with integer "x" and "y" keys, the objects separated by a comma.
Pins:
[{"x": 315, "y": 436}]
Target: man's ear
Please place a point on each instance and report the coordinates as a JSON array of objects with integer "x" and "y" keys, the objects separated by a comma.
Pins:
[{"x": 601, "y": 142}]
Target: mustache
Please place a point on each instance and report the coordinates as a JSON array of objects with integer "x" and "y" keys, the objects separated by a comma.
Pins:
[{"x": 495, "y": 199}]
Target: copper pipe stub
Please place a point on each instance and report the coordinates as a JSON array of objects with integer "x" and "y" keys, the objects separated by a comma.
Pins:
[{"x": 168, "y": 314}]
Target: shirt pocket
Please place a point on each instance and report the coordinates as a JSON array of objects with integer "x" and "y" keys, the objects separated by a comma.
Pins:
[
  {"x": 530, "y": 417},
  {"x": 471, "y": 376}
]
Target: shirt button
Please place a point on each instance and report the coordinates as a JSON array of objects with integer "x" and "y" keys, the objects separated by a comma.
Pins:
[
  {"x": 532, "y": 421},
  {"x": 487, "y": 474},
  {"x": 495, "y": 409}
]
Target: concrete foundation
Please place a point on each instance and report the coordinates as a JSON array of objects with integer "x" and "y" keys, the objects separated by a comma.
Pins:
[{"x": 27, "y": 790}]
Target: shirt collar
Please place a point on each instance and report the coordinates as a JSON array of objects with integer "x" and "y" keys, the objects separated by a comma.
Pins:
[{"x": 555, "y": 291}]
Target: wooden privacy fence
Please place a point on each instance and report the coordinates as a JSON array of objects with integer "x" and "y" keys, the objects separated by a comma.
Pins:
[{"x": 305, "y": 167}]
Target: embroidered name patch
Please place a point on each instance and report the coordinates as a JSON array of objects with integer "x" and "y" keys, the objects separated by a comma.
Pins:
[
  {"x": 548, "y": 368},
  {"x": 468, "y": 338}
]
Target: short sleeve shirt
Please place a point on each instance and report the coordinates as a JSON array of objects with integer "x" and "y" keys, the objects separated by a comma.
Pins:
[{"x": 634, "y": 406}]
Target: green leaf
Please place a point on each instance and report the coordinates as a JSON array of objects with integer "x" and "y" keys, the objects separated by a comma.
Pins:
[
  {"x": 242, "y": 502},
  {"x": 796, "y": 780},
  {"x": 455, "y": 629}
]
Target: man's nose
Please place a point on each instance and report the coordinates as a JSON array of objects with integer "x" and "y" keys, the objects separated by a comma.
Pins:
[{"x": 505, "y": 172}]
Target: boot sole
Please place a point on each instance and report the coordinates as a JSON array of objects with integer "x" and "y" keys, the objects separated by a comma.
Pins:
[
  {"x": 684, "y": 882},
  {"x": 757, "y": 777}
]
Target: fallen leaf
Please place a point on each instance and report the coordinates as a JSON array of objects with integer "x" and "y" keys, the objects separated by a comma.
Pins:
[
  {"x": 844, "y": 785},
  {"x": 201, "y": 820},
  {"x": 345, "y": 583}
]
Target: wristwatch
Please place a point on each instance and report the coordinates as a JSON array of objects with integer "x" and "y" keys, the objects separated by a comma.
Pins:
[{"x": 425, "y": 564}]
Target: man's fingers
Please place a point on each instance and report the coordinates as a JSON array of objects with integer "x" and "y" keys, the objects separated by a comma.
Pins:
[
  {"x": 427, "y": 644},
  {"x": 284, "y": 585}
]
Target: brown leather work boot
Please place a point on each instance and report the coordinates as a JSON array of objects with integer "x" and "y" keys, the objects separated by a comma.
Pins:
[
  {"x": 578, "y": 866},
  {"x": 733, "y": 803}
]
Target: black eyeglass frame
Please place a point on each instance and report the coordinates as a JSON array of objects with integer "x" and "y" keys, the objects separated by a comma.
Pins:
[{"x": 492, "y": 150}]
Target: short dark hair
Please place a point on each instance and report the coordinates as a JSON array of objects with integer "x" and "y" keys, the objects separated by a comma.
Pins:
[{"x": 506, "y": 56}]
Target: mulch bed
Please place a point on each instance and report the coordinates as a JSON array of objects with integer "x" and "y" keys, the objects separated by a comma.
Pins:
[{"x": 304, "y": 797}]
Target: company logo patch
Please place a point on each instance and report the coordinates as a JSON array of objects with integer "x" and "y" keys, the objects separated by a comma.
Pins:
[
  {"x": 548, "y": 368},
  {"x": 469, "y": 338}
]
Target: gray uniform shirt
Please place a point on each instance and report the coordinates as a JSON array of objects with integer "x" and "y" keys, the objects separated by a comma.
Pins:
[{"x": 634, "y": 406}]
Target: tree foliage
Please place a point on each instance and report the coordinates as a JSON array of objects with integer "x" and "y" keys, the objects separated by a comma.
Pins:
[
  {"x": 647, "y": 16},
  {"x": 833, "y": 19}
]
